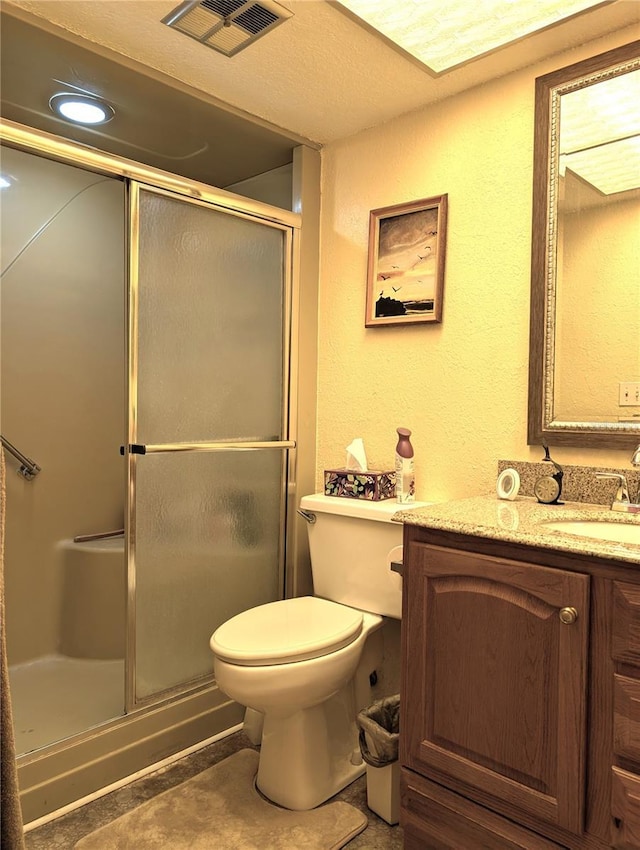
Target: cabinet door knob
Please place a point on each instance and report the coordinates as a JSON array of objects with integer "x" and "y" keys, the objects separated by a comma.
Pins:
[{"x": 568, "y": 616}]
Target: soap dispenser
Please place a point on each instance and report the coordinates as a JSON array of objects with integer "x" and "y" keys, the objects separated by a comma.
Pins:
[
  {"x": 405, "y": 477},
  {"x": 548, "y": 488}
]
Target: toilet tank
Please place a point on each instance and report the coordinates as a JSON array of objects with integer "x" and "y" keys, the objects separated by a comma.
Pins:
[{"x": 352, "y": 544}]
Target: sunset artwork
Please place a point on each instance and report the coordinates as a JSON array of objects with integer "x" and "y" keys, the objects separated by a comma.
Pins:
[{"x": 406, "y": 263}]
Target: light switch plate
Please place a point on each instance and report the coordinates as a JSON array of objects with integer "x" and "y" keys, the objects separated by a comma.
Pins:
[{"x": 629, "y": 394}]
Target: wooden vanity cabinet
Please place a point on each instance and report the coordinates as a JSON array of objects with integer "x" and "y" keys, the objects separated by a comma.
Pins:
[{"x": 510, "y": 689}]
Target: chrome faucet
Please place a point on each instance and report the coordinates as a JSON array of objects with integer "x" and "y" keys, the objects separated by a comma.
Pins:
[{"x": 621, "y": 500}]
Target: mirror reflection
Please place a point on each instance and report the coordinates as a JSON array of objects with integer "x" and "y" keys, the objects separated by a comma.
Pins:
[
  {"x": 585, "y": 331},
  {"x": 598, "y": 252}
]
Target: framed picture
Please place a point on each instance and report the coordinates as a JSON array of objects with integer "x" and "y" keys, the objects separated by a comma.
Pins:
[{"x": 405, "y": 275}]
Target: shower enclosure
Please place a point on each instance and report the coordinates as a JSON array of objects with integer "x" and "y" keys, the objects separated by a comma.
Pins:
[{"x": 146, "y": 352}]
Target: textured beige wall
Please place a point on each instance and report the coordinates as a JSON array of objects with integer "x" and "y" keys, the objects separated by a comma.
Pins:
[{"x": 461, "y": 386}]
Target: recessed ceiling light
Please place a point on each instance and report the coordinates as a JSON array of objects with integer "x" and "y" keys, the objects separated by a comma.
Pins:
[
  {"x": 446, "y": 33},
  {"x": 81, "y": 108}
]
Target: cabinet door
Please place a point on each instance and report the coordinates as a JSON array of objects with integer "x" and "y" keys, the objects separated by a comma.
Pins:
[
  {"x": 494, "y": 682},
  {"x": 437, "y": 818}
]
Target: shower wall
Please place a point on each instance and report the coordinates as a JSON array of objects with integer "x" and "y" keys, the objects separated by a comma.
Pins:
[
  {"x": 272, "y": 187},
  {"x": 62, "y": 387}
]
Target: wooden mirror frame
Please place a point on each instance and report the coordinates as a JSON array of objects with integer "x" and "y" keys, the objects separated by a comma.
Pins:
[{"x": 541, "y": 425}]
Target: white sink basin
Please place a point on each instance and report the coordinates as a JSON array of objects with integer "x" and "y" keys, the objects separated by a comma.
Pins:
[{"x": 617, "y": 532}]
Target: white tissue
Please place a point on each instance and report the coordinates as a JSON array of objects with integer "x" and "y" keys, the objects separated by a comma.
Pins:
[{"x": 356, "y": 456}]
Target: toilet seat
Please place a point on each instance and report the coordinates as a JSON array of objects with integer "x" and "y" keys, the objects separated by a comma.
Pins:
[{"x": 286, "y": 631}]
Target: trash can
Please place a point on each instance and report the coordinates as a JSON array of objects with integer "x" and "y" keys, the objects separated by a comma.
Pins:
[{"x": 379, "y": 727}]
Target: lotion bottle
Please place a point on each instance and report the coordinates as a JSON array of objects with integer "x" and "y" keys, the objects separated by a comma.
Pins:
[{"x": 405, "y": 477}]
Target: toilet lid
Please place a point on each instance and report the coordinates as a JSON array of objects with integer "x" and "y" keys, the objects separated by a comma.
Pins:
[{"x": 290, "y": 630}]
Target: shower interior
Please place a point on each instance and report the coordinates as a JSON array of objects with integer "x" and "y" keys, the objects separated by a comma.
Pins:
[
  {"x": 63, "y": 404},
  {"x": 81, "y": 656},
  {"x": 83, "y": 679}
]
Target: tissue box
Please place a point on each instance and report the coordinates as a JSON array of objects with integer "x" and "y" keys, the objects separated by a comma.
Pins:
[{"x": 372, "y": 485}]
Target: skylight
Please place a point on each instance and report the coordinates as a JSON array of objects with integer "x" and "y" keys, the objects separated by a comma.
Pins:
[{"x": 445, "y": 33}]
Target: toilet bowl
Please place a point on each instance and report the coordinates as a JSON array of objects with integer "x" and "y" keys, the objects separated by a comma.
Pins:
[
  {"x": 296, "y": 661},
  {"x": 305, "y": 663}
]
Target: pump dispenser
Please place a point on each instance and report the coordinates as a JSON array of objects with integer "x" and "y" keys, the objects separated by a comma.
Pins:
[
  {"x": 548, "y": 488},
  {"x": 405, "y": 477}
]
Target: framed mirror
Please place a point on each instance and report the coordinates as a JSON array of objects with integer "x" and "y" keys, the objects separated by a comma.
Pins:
[{"x": 584, "y": 352}]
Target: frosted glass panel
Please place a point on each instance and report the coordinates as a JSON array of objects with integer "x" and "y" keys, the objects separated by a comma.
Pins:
[
  {"x": 210, "y": 357},
  {"x": 208, "y": 531},
  {"x": 208, "y": 525}
]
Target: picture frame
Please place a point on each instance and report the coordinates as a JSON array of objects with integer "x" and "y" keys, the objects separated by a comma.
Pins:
[{"x": 407, "y": 246}]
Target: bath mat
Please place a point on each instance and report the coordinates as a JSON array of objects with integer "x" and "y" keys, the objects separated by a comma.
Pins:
[{"x": 220, "y": 808}]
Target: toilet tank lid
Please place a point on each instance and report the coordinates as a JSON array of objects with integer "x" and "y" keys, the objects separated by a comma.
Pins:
[{"x": 360, "y": 508}]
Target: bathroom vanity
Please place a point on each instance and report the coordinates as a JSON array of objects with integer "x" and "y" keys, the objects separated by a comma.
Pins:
[{"x": 520, "y": 708}]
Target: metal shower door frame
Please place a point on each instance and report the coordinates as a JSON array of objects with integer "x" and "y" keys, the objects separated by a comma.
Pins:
[
  {"x": 62, "y": 150},
  {"x": 133, "y": 450},
  {"x": 128, "y": 742}
]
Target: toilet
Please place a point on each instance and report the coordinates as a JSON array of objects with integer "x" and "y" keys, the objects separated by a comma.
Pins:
[{"x": 304, "y": 663}]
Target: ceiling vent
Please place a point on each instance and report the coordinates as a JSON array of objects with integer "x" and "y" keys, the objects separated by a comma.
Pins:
[{"x": 227, "y": 26}]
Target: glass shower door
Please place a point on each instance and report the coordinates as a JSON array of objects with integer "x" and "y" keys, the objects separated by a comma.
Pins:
[{"x": 208, "y": 442}]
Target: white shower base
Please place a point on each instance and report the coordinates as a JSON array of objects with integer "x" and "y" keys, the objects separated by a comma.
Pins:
[{"x": 54, "y": 697}]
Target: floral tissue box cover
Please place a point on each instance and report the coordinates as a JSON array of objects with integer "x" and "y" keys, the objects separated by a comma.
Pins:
[{"x": 372, "y": 485}]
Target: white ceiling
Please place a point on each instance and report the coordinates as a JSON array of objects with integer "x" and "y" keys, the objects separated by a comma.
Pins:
[{"x": 320, "y": 75}]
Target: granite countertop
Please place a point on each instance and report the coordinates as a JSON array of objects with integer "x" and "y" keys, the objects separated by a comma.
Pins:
[{"x": 520, "y": 521}]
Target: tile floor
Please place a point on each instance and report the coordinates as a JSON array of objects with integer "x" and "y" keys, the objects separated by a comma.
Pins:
[{"x": 70, "y": 828}]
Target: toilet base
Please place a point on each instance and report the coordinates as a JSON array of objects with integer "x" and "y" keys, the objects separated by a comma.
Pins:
[{"x": 309, "y": 756}]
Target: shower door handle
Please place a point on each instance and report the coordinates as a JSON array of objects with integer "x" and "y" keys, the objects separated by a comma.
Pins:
[
  {"x": 141, "y": 449},
  {"x": 134, "y": 449}
]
